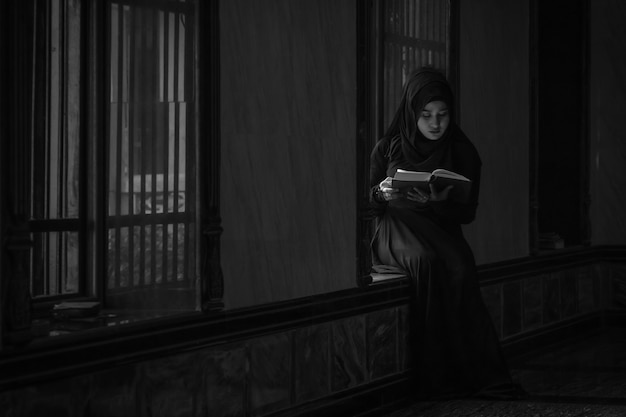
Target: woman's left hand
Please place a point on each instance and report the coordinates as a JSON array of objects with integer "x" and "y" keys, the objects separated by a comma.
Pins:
[{"x": 422, "y": 197}]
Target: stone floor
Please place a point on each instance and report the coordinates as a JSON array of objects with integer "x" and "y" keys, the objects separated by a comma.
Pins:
[{"x": 583, "y": 378}]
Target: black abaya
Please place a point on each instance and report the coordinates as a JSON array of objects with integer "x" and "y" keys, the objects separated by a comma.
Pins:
[{"x": 455, "y": 347}]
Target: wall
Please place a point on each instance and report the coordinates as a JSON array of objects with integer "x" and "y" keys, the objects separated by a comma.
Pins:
[
  {"x": 607, "y": 129},
  {"x": 288, "y": 120},
  {"x": 494, "y": 101},
  {"x": 251, "y": 377},
  {"x": 288, "y": 176}
]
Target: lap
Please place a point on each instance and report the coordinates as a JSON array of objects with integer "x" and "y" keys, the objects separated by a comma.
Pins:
[{"x": 416, "y": 242}]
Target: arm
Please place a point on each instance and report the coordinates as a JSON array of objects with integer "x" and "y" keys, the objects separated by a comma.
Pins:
[{"x": 378, "y": 172}]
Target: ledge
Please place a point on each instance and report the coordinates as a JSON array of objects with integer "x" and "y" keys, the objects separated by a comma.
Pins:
[
  {"x": 94, "y": 350},
  {"x": 98, "y": 349},
  {"x": 549, "y": 261}
]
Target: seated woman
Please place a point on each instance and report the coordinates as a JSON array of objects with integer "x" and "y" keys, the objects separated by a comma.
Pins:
[{"x": 456, "y": 349}]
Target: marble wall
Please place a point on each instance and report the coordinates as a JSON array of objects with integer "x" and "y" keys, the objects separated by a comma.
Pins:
[
  {"x": 494, "y": 100},
  {"x": 524, "y": 305},
  {"x": 288, "y": 174},
  {"x": 607, "y": 129},
  {"x": 252, "y": 377}
]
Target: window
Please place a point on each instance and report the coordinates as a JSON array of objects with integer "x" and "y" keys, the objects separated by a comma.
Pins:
[
  {"x": 410, "y": 34},
  {"x": 110, "y": 168},
  {"x": 559, "y": 196},
  {"x": 151, "y": 225}
]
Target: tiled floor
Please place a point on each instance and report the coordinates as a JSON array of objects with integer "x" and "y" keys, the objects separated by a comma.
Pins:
[{"x": 582, "y": 378}]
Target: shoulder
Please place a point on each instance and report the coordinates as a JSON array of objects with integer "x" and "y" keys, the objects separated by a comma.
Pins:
[
  {"x": 384, "y": 145},
  {"x": 463, "y": 147}
]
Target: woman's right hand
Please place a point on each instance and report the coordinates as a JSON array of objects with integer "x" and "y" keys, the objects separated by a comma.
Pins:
[{"x": 387, "y": 191}]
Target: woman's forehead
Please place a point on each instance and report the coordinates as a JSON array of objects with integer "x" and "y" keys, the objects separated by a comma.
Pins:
[{"x": 436, "y": 105}]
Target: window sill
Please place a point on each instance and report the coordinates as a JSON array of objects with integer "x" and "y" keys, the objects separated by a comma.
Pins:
[
  {"x": 51, "y": 327},
  {"x": 51, "y": 357}
]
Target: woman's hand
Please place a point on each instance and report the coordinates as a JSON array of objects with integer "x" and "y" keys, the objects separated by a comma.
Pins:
[
  {"x": 387, "y": 192},
  {"x": 422, "y": 197}
]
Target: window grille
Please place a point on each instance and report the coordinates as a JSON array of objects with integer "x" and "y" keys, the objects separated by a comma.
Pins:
[
  {"x": 148, "y": 164},
  {"x": 414, "y": 33},
  {"x": 151, "y": 223}
]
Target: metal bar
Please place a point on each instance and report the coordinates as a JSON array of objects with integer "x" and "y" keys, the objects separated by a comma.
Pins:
[
  {"x": 380, "y": 69},
  {"x": 437, "y": 20},
  {"x": 405, "y": 18},
  {"x": 53, "y": 110},
  {"x": 152, "y": 21},
  {"x": 132, "y": 107},
  {"x": 387, "y": 83},
  {"x": 63, "y": 105},
  {"x": 429, "y": 20},
  {"x": 410, "y": 13},
  {"x": 118, "y": 149},
  {"x": 191, "y": 146},
  {"x": 155, "y": 219},
  {"x": 416, "y": 18},
  {"x": 135, "y": 75},
  {"x": 48, "y": 273},
  {"x": 177, "y": 128},
  {"x": 166, "y": 136}
]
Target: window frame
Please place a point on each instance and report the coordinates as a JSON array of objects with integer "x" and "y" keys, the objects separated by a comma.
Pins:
[{"x": 20, "y": 310}]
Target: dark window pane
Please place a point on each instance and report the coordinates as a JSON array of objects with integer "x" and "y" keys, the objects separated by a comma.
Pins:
[{"x": 151, "y": 220}]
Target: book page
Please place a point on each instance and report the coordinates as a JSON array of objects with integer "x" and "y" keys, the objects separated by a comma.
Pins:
[
  {"x": 440, "y": 172},
  {"x": 404, "y": 175}
]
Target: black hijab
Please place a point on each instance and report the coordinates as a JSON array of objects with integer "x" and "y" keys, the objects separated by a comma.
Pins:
[{"x": 422, "y": 87}]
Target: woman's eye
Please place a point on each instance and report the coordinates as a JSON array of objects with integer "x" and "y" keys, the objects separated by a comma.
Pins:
[{"x": 426, "y": 115}]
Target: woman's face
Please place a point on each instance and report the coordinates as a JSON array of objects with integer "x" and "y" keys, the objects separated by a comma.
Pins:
[{"x": 434, "y": 120}]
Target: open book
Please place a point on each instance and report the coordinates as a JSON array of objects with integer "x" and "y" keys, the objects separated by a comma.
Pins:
[{"x": 440, "y": 178}]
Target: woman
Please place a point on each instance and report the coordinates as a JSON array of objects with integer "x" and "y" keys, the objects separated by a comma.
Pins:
[{"x": 457, "y": 351}]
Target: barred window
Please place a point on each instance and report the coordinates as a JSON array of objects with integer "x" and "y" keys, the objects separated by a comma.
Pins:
[
  {"x": 150, "y": 218},
  {"x": 411, "y": 34},
  {"x": 113, "y": 177}
]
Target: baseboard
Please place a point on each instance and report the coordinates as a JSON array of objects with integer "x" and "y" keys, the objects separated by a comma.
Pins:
[{"x": 369, "y": 400}]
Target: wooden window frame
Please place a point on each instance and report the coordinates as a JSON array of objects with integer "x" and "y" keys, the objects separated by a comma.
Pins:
[{"x": 17, "y": 123}]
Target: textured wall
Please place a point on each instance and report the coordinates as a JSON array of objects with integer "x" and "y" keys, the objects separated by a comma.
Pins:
[
  {"x": 288, "y": 176},
  {"x": 494, "y": 114},
  {"x": 519, "y": 306},
  {"x": 607, "y": 128},
  {"x": 254, "y": 377}
]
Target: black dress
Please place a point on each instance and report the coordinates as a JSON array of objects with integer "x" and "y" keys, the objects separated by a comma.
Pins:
[{"x": 456, "y": 349}]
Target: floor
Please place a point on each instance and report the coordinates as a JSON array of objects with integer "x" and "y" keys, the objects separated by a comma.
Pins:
[{"x": 582, "y": 378}]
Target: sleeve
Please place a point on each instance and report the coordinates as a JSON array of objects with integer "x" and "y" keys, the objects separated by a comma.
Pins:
[
  {"x": 470, "y": 165},
  {"x": 378, "y": 172},
  {"x": 463, "y": 213}
]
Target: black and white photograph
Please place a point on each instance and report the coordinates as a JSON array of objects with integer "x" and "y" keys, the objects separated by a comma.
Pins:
[{"x": 302, "y": 208}]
